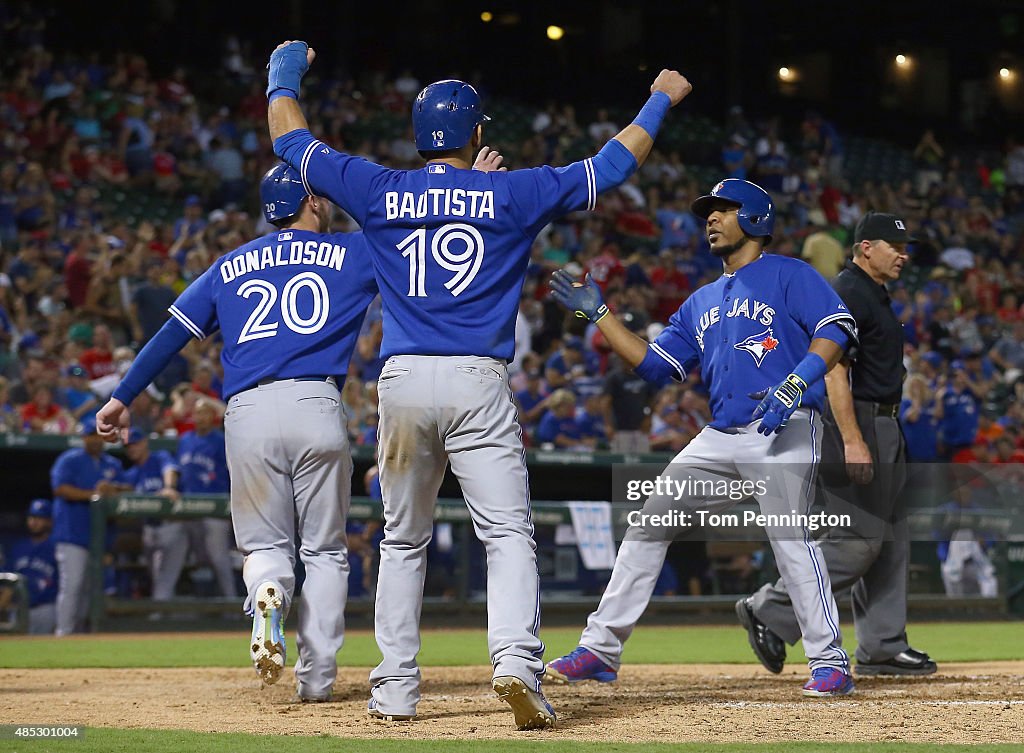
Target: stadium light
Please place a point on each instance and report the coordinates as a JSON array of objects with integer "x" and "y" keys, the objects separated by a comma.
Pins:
[
  {"x": 786, "y": 74},
  {"x": 486, "y": 16},
  {"x": 1006, "y": 74},
  {"x": 555, "y": 33},
  {"x": 902, "y": 61}
]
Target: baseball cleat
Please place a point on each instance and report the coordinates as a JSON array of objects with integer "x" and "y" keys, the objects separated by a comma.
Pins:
[
  {"x": 530, "y": 708},
  {"x": 769, "y": 648},
  {"x": 906, "y": 663},
  {"x": 267, "y": 647},
  {"x": 826, "y": 682},
  {"x": 376, "y": 713},
  {"x": 578, "y": 666}
]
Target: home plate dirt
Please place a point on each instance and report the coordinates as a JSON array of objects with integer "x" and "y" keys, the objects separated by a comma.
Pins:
[{"x": 965, "y": 703}]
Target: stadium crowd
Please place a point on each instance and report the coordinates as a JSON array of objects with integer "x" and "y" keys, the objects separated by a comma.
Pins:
[{"x": 119, "y": 185}]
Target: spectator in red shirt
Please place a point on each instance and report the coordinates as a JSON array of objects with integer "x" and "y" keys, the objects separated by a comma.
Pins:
[
  {"x": 43, "y": 416},
  {"x": 670, "y": 284},
  {"x": 1006, "y": 452},
  {"x": 606, "y": 268},
  {"x": 99, "y": 359},
  {"x": 77, "y": 272}
]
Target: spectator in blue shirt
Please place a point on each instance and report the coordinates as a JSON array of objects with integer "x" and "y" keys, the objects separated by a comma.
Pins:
[
  {"x": 960, "y": 414},
  {"x": 591, "y": 420},
  {"x": 77, "y": 397},
  {"x": 34, "y": 558},
  {"x": 921, "y": 416},
  {"x": 80, "y": 475},
  {"x": 530, "y": 400},
  {"x": 568, "y": 361},
  {"x": 558, "y": 427}
]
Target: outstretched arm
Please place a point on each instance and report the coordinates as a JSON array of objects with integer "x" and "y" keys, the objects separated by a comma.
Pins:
[
  {"x": 668, "y": 90},
  {"x": 287, "y": 67}
]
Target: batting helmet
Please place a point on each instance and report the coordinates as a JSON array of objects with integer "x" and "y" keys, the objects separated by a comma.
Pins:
[
  {"x": 756, "y": 213},
  {"x": 281, "y": 192},
  {"x": 445, "y": 114},
  {"x": 40, "y": 508}
]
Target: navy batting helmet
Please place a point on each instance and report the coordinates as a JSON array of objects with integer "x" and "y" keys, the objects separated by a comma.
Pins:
[
  {"x": 281, "y": 192},
  {"x": 445, "y": 114},
  {"x": 756, "y": 214}
]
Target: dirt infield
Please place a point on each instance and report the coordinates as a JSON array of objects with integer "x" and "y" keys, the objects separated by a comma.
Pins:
[{"x": 966, "y": 703}]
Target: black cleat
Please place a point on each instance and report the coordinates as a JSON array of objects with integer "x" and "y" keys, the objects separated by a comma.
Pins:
[
  {"x": 909, "y": 662},
  {"x": 769, "y": 648}
]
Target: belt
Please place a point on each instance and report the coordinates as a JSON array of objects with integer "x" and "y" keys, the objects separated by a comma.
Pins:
[
  {"x": 336, "y": 382},
  {"x": 889, "y": 410}
]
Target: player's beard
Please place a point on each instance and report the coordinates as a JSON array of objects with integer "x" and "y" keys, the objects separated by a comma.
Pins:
[{"x": 726, "y": 251}]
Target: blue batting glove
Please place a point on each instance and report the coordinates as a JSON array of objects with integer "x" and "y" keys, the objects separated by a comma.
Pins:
[
  {"x": 286, "y": 68},
  {"x": 778, "y": 405},
  {"x": 582, "y": 298}
]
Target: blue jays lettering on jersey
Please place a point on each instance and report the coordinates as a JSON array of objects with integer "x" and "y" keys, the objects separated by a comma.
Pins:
[
  {"x": 203, "y": 463},
  {"x": 36, "y": 562},
  {"x": 149, "y": 477},
  {"x": 307, "y": 291},
  {"x": 749, "y": 329},
  {"x": 450, "y": 247},
  {"x": 76, "y": 467}
]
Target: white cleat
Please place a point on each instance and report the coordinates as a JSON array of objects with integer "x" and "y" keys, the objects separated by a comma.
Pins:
[{"x": 267, "y": 648}]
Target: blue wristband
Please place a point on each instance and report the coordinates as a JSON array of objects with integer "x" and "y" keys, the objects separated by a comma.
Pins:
[
  {"x": 282, "y": 93},
  {"x": 653, "y": 112},
  {"x": 286, "y": 68},
  {"x": 811, "y": 369}
]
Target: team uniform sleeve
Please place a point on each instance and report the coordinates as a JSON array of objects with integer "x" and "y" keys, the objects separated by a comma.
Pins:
[
  {"x": 168, "y": 463},
  {"x": 816, "y": 307},
  {"x": 196, "y": 307},
  {"x": 342, "y": 178},
  {"x": 672, "y": 353},
  {"x": 541, "y": 194}
]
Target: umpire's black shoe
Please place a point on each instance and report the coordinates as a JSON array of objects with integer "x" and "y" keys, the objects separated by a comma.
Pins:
[
  {"x": 769, "y": 648},
  {"x": 909, "y": 662}
]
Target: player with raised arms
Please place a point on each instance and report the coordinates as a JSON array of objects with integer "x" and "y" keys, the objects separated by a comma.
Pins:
[
  {"x": 764, "y": 335},
  {"x": 450, "y": 248}
]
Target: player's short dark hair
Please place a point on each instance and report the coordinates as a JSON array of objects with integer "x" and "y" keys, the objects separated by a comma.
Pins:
[{"x": 442, "y": 154}]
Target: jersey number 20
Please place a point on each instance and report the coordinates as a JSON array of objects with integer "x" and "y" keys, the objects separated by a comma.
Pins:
[
  {"x": 464, "y": 262},
  {"x": 257, "y": 327}
]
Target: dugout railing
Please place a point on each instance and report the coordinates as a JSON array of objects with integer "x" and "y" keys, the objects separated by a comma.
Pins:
[{"x": 1009, "y": 554}]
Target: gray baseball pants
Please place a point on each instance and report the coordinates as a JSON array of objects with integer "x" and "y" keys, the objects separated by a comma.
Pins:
[
  {"x": 458, "y": 409},
  {"x": 291, "y": 473}
]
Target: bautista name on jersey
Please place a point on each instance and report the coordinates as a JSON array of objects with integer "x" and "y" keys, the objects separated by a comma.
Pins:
[
  {"x": 439, "y": 202},
  {"x": 773, "y": 307}
]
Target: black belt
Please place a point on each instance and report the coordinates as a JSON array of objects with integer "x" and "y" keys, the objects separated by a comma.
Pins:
[{"x": 889, "y": 410}]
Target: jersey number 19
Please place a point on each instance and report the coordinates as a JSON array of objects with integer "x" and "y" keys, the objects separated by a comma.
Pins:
[{"x": 464, "y": 262}]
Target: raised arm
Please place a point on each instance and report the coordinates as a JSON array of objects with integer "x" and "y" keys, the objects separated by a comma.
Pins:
[
  {"x": 668, "y": 90},
  {"x": 286, "y": 70}
]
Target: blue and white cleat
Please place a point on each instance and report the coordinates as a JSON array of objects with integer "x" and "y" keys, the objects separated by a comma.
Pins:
[
  {"x": 826, "y": 682},
  {"x": 267, "y": 648},
  {"x": 578, "y": 666}
]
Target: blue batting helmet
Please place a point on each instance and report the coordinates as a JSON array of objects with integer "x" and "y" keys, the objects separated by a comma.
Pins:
[
  {"x": 445, "y": 114},
  {"x": 40, "y": 508},
  {"x": 281, "y": 192},
  {"x": 756, "y": 213}
]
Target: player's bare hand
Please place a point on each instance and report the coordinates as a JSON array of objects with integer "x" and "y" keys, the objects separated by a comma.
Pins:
[
  {"x": 489, "y": 161},
  {"x": 169, "y": 493},
  {"x": 858, "y": 462},
  {"x": 672, "y": 83},
  {"x": 113, "y": 421}
]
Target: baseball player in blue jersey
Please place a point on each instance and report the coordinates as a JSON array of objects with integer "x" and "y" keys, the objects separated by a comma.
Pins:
[
  {"x": 79, "y": 476},
  {"x": 289, "y": 306},
  {"x": 166, "y": 541},
  {"x": 203, "y": 464},
  {"x": 34, "y": 558},
  {"x": 764, "y": 335},
  {"x": 450, "y": 248}
]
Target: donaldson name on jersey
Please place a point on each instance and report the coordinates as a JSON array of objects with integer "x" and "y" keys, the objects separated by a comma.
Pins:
[
  {"x": 304, "y": 292},
  {"x": 748, "y": 330}
]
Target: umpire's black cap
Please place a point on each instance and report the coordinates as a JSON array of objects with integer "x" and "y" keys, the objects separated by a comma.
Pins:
[{"x": 876, "y": 226}]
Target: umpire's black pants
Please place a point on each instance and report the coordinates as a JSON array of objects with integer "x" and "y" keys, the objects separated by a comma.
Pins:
[{"x": 871, "y": 557}]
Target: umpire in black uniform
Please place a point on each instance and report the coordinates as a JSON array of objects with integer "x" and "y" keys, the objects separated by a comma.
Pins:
[{"x": 863, "y": 446}]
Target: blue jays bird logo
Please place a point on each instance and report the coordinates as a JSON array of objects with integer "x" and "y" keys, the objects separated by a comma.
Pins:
[{"x": 758, "y": 346}]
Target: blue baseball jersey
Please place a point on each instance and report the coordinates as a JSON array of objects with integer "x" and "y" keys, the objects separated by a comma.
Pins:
[
  {"x": 288, "y": 304},
  {"x": 36, "y": 562},
  {"x": 203, "y": 463},
  {"x": 748, "y": 330},
  {"x": 76, "y": 467},
  {"x": 960, "y": 418},
  {"x": 450, "y": 247},
  {"x": 148, "y": 477}
]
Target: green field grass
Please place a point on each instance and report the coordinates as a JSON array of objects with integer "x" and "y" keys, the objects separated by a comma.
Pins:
[
  {"x": 971, "y": 641},
  {"x": 146, "y": 741}
]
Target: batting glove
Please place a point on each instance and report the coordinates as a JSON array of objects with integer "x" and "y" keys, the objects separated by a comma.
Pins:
[
  {"x": 286, "y": 68},
  {"x": 778, "y": 405},
  {"x": 582, "y": 298}
]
